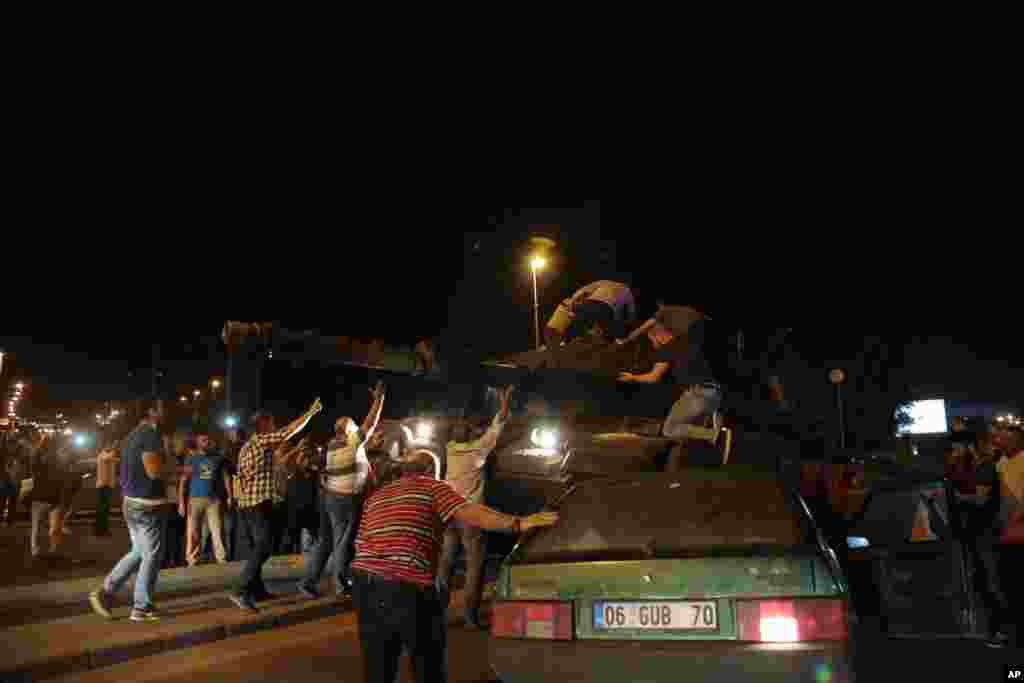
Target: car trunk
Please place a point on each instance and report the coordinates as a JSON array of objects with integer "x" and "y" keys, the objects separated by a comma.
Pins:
[{"x": 673, "y": 556}]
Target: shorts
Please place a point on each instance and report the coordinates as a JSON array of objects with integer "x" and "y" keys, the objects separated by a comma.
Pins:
[{"x": 561, "y": 319}]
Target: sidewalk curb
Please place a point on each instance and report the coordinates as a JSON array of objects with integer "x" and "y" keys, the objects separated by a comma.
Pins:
[
  {"x": 205, "y": 577},
  {"x": 80, "y": 662},
  {"x": 45, "y": 668}
]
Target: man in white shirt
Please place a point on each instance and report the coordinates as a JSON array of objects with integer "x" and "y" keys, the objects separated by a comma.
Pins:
[
  {"x": 466, "y": 460},
  {"x": 345, "y": 468},
  {"x": 606, "y": 303}
]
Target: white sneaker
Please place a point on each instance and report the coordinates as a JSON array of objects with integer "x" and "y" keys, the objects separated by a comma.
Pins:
[{"x": 100, "y": 603}]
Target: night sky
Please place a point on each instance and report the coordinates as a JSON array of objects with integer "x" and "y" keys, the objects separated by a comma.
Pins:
[{"x": 84, "y": 308}]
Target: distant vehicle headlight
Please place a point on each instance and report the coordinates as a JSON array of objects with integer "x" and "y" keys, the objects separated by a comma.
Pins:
[{"x": 544, "y": 438}]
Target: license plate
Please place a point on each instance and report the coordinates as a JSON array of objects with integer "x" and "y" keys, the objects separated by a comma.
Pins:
[{"x": 675, "y": 615}]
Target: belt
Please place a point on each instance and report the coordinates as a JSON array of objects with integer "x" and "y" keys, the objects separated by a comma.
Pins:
[{"x": 367, "y": 577}]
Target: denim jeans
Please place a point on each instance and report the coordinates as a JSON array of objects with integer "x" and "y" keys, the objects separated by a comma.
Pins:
[
  {"x": 339, "y": 519},
  {"x": 990, "y": 582},
  {"x": 259, "y": 521},
  {"x": 104, "y": 496},
  {"x": 147, "y": 527},
  {"x": 472, "y": 540},
  {"x": 393, "y": 614},
  {"x": 696, "y": 403}
]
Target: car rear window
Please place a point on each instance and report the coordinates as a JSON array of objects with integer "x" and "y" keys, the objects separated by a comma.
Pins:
[{"x": 696, "y": 511}]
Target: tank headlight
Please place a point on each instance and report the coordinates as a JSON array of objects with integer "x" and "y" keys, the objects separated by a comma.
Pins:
[
  {"x": 424, "y": 431},
  {"x": 544, "y": 438}
]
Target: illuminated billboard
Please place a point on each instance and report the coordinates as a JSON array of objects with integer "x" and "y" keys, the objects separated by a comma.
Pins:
[{"x": 925, "y": 417}]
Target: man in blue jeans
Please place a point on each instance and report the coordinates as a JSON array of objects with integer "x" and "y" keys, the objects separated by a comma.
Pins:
[
  {"x": 678, "y": 334},
  {"x": 145, "y": 512},
  {"x": 346, "y": 469}
]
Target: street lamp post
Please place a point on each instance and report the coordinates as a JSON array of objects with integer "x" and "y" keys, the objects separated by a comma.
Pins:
[
  {"x": 536, "y": 263},
  {"x": 837, "y": 377}
]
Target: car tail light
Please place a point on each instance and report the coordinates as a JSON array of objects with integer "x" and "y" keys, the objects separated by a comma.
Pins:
[
  {"x": 547, "y": 620},
  {"x": 789, "y": 621}
]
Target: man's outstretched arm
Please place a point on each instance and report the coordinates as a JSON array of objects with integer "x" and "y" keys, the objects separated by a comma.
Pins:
[{"x": 373, "y": 417}]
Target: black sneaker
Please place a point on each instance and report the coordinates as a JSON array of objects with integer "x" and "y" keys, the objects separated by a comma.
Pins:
[
  {"x": 308, "y": 592},
  {"x": 100, "y": 603},
  {"x": 243, "y": 602}
]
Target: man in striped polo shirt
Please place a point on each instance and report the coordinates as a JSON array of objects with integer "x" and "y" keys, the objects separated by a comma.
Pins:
[
  {"x": 396, "y": 561},
  {"x": 345, "y": 471}
]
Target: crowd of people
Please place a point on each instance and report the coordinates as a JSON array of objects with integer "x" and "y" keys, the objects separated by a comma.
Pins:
[
  {"x": 389, "y": 533},
  {"x": 377, "y": 526},
  {"x": 48, "y": 462}
]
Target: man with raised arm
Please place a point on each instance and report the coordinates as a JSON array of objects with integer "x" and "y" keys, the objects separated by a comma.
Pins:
[
  {"x": 255, "y": 500},
  {"x": 346, "y": 468},
  {"x": 466, "y": 461}
]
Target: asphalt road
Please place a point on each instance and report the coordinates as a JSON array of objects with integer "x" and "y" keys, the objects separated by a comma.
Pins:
[
  {"x": 80, "y": 555},
  {"x": 328, "y": 651},
  {"x": 325, "y": 650}
]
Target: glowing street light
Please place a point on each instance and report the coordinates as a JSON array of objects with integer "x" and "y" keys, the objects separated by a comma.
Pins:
[
  {"x": 838, "y": 377},
  {"x": 536, "y": 263},
  {"x": 183, "y": 399},
  {"x": 196, "y": 393},
  {"x": 215, "y": 384}
]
